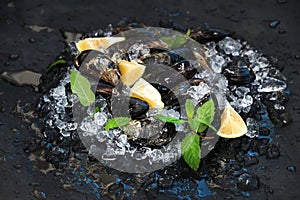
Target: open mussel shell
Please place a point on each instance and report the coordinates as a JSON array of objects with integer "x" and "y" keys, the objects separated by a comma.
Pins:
[
  {"x": 95, "y": 66},
  {"x": 239, "y": 73}
]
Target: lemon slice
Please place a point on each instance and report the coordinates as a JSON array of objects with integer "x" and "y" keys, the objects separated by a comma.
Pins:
[
  {"x": 130, "y": 71},
  {"x": 232, "y": 124},
  {"x": 146, "y": 92},
  {"x": 97, "y": 43}
]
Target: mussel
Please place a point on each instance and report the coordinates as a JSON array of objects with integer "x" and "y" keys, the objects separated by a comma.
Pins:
[
  {"x": 209, "y": 34},
  {"x": 136, "y": 108},
  {"x": 239, "y": 73},
  {"x": 94, "y": 65},
  {"x": 173, "y": 59}
]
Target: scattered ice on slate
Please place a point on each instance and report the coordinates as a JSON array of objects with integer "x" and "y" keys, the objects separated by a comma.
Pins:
[
  {"x": 108, "y": 31},
  {"x": 270, "y": 84},
  {"x": 241, "y": 101},
  {"x": 242, "y": 91},
  {"x": 122, "y": 141},
  {"x": 101, "y": 136},
  {"x": 251, "y": 54},
  {"x": 278, "y": 106},
  {"x": 216, "y": 63},
  {"x": 197, "y": 92},
  {"x": 109, "y": 154},
  {"x": 89, "y": 126},
  {"x": 253, "y": 128},
  {"x": 230, "y": 46},
  {"x": 219, "y": 86},
  {"x": 100, "y": 118},
  {"x": 138, "y": 50},
  {"x": 155, "y": 155}
]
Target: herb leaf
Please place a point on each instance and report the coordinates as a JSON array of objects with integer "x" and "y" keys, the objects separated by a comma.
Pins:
[
  {"x": 206, "y": 113},
  {"x": 194, "y": 124},
  {"x": 202, "y": 123},
  {"x": 54, "y": 64},
  {"x": 169, "y": 119},
  {"x": 190, "y": 150},
  {"x": 189, "y": 108},
  {"x": 116, "y": 122},
  {"x": 174, "y": 43},
  {"x": 82, "y": 87},
  {"x": 188, "y": 33}
]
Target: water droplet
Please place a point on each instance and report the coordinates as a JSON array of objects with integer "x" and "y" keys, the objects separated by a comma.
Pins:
[
  {"x": 291, "y": 168},
  {"x": 274, "y": 24}
]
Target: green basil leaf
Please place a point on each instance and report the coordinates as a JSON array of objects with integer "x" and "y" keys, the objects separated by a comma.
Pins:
[
  {"x": 189, "y": 108},
  {"x": 116, "y": 122},
  {"x": 203, "y": 126},
  {"x": 178, "y": 42},
  {"x": 169, "y": 119},
  {"x": 82, "y": 88},
  {"x": 190, "y": 150},
  {"x": 194, "y": 124},
  {"x": 174, "y": 43},
  {"x": 206, "y": 112}
]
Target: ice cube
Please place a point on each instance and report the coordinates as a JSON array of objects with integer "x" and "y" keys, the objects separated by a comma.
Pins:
[
  {"x": 109, "y": 154},
  {"x": 72, "y": 126},
  {"x": 253, "y": 128},
  {"x": 60, "y": 124},
  {"x": 88, "y": 126},
  {"x": 58, "y": 92},
  {"x": 278, "y": 106},
  {"x": 216, "y": 63},
  {"x": 241, "y": 91},
  {"x": 270, "y": 84},
  {"x": 101, "y": 136},
  {"x": 120, "y": 151},
  {"x": 138, "y": 50},
  {"x": 230, "y": 46},
  {"x": 139, "y": 155},
  {"x": 262, "y": 62},
  {"x": 210, "y": 52},
  {"x": 122, "y": 141},
  {"x": 252, "y": 55},
  {"x": 197, "y": 92},
  {"x": 100, "y": 118}
]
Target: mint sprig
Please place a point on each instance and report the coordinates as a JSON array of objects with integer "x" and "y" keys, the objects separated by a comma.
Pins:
[
  {"x": 82, "y": 88},
  {"x": 169, "y": 119},
  {"x": 191, "y": 151},
  {"x": 175, "y": 43},
  {"x": 116, "y": 122}
]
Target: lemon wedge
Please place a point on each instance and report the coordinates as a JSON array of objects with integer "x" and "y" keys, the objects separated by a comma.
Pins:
[
  {"x": 130, "y": 71},
  {"x": 232, "y": 124},
  {"x": 97, "y": 43},
  {"x": 146, "y": 92}
]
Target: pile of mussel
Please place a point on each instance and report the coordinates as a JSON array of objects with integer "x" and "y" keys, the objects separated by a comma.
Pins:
[{"x": 165, "y": 70}]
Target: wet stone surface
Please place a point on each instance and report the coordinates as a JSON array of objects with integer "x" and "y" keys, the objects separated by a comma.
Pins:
[
  {"x": 253, "y": 167},
  {"x": 224, "y": 168}
]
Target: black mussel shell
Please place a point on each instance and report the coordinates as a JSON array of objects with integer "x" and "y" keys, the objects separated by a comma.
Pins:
[
  {"x": 158, "y": 141},
  {"x": 195, "y": 81},
  {"x": 239, "y": 73},
  {"x": 94, "y": 65},
  {"x": 185, "y": 68},
  {"x": 104, "y": 89},
  {"x": 137, "y": 108},
  {"x": 208, "y": 35}
]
